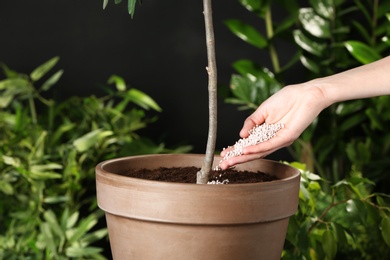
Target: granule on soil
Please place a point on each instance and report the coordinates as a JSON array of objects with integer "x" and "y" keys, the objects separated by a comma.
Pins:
[{"x": 188, "y": 175}]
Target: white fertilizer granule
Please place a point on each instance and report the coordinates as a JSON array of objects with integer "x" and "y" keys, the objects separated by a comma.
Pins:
[
  {"x": 218, "y": 182},
  {"x": 258, "y": 134}
]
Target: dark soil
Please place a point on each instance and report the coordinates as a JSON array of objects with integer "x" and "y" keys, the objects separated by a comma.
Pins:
[{"x": 188, "y": 175}]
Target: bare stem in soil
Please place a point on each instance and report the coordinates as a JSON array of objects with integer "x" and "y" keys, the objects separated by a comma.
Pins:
[{"x": 203, "y": 174}]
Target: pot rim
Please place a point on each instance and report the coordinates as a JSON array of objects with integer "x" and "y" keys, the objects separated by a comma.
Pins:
[
  {"x": 125, "y": 179},
  {"x": 150, "y": 200}
]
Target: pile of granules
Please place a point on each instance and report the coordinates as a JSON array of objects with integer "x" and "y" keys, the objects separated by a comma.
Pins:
[
  {"x": 258, "y": 134},
  {"x": 216, "y": 181}
]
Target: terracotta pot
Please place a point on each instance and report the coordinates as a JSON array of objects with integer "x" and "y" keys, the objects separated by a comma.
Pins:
[{"x": 162, "y": 220}]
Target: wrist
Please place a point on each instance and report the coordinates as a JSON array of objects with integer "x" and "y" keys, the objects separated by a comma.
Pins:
[{"x": 321, "y": 91}]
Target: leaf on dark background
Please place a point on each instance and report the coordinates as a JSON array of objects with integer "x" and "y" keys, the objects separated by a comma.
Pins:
[
  {"x": 314, "y": 24},
  {"x": 246, "y": 33},
  {"x": 362, "y": 52},
  {"x": 329, "y": 244}
]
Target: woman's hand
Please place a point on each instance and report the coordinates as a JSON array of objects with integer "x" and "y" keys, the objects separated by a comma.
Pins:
[{"x": 294, "y": 106}]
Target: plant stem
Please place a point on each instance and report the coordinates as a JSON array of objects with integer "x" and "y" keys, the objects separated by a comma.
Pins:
[
  {"x": 32, "y": 108},
  {"x": 203, "y": 174},
  {"x": 374, "y": 21},
  {"x": 270, "y": 35},
  {"x": 323, "y": 214}
]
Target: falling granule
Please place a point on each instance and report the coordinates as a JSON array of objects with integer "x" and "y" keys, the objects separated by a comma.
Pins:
[
  {"x": 258, "y": 134},
  {"x": 218, "y": 182}
]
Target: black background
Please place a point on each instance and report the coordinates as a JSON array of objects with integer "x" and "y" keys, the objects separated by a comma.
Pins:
[{"x": 161, "y": 52}]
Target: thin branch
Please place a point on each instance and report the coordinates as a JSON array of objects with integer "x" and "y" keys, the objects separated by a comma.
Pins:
[
  {"x": 203, "y": 174},
  {"x": 325, "y": 212},
  {"x": 270, "y": 35}
]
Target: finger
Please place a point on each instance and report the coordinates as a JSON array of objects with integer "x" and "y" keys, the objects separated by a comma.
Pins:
[
  {"x": 226, "y": 150},
  {"x": 282, "y": 139},
  {"x": 225, "y": 164},
  {"x": 250, "y": 123}
]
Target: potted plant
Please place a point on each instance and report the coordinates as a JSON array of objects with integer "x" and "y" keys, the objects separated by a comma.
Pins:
[{"x": 164, "y": 220}]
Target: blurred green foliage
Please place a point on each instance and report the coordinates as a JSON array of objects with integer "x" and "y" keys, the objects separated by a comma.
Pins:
[
  {"x": 48, "y": 153},
  {"x": 346, "y": 214},
  {"x": 130, "y": 5},
  {"x": 329, "y": 37},
  {"x": 348, "y": 221}
]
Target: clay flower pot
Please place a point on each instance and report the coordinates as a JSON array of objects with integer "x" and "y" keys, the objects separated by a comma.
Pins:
[{"x": 162, "y": 220}]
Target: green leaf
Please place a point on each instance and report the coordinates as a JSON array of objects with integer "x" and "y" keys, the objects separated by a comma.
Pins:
[
  {"x": 12, "y": 87},
  {"x": 56, "y": 199},
  {"x": 80, "y": 252},
  {"x": 364, "y": 10},
  {"x": 95, "y": 236},
  {"x": 143, "y": 100},
  {"x": 362, "y": 29},
  {"x": 329, "y": 244},
  {"x": 51, "y": 219},
  {"x": 310, "y": 64},
  {"x": 253, "y": 89},
  {"x": 252, "y": 71},
  {"x": 131, "y": 7},
  {"x": 247, "y": 33},
  {"x": 105, "y": 2},
  {"x": 357, "y": 209},
  {"x": 63, "y": 128},
  {"x": 72, "y": 220},
  {"x": 385, "y": 227},
  {"x": 256, "y": 6},
  {"x": 44, "y": 175},
  {"x": 291, "y": 6},
  {"x": 13, "y": 161},
  {"x": 381, "y": 201},
  {"x": 8, "y": 72},
  {"x": 352, "y": 122},
  {"x": 14, "y": 83},
  {"x": 6, "y": 188},
  {"x": 48, "y": 238},
  {"x": 356, "y": 180},
  {"x": 294, "y": 59},
  {"x": 90, "y": 139},
  {"x": 340, "y": 233},
  {"x": 308, "y": 44},
  {"x": 362, "y": 52},
  {"x": 299, "y": 165},
  {"x": 383, "y": 8},
  {"x": 324, "y": 8},
  {"x": 375, "y": 119},
  {"x": 82, "y": 229},
  {"x": 39, "y": 72},
  {"x": 52, "y": 80},
  {"x": 45, "y": 167},
  {"x": 251, "y": 5},
  {"x": 64, "y": 219},
  {"x": 314, "y": 24},
  {"x": 313, "y": 177},
  {"x": 118, "y": 81},
  {"x": 286, "y": 24},
  {"x": 5, "y": 101},
  {"x": 347, "y": 108}
]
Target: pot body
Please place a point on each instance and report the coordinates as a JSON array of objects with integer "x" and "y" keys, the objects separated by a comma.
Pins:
[{"x": 160, "y": 220}]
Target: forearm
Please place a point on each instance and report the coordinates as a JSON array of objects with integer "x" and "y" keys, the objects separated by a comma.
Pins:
[{"x": 362, "y": 82}]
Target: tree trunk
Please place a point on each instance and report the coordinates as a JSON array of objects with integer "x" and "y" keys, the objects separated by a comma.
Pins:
[{"x": 203, "y": 174}]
